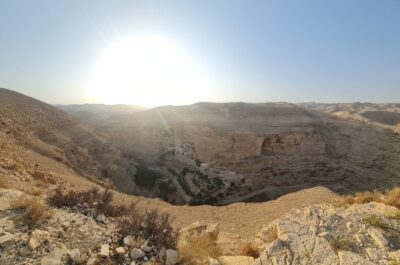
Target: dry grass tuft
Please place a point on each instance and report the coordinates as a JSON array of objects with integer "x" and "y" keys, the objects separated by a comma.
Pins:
[
  {"x": 393, "y": 215},
  {"x": 250, "y": 249},
  {"x": 34, "y": 212},
  {"x": 375, "y": 220},
  {"x": 151, "y": 225},
  {"x": 340, "y": 243},
  {"x": 197, "y": 249},
  {"x": 33, "y": 192}
]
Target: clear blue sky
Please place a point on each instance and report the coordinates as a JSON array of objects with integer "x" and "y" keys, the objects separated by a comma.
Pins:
[{"x": 254, "y": 51}]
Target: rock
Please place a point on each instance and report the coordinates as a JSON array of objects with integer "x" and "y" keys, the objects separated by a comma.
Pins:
[
  {"x": 213, "y": 261},
  {"x": 236, "y": 260},
  {"x": 198, "y": 228},
  {"x": 92, "y": 260},
  {"x": 212, "y": 231},
  {"x": 146, "y": 249},
  {"x": 395, "y": 254},
  {"x": 133, "y": 263},
  {"x": 104, "y": 250},
  {"x": 120, "y": 251},
  {"x": 54, "y": 258},
  {"x": 380, "y": 240},
  {"x": 24, "y": 251},
  {"x": 162, "y": 253},
  {"x": 171, "y": 257},
  {"x": 129, "y": 241},
  {"x": 348, "y": 258},
  {"x": 10, "y": 228},
  {"x": 37, "y": 238},
  {"x": 137, "y": 253},
  {"x": 375, "y": 254},
  {"x": 8, "y": 239},
  {"x": 101, "y": 218},
  {"x": 268, "y": 233},
  {"x": 76, "y": 257}
]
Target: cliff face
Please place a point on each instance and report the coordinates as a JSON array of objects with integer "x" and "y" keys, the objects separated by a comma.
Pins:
[{"x": 277, "y": 145}]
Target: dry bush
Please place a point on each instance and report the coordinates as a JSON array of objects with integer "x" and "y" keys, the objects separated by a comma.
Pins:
[
  {"x": 250, "y": 249},
  {"x": 34, "y": 212},
  {"x": 44, "y": 176},
  {"x": 151, "y": 225},
  {"x": 100, "y": 202},
  {"x": 393, "y": 197},
  {"x": 196, "y": 250},
  {"x": 367, "y": 196}
]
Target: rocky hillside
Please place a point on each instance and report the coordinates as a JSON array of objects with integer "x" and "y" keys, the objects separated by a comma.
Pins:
[
  {"x": 97, "y": 114},
  {"x": 45, "y": 130}
]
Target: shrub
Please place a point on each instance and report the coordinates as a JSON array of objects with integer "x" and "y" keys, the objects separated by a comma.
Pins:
[
  {"x": 250, "y": 249},
  {"x": 34, "y": 212},
  {"x": 100, "y": 202},
  {"x": 151, "y": 225},
  {"x": 196, "y": 250},
  {"x": 145, "y": 177}
]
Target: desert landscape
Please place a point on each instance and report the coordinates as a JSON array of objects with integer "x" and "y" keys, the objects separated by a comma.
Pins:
[
  {"x": 169, "y": 159},
  {"x": 164, "y": 132}
]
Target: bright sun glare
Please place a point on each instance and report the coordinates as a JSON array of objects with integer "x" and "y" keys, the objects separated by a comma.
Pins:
[{"x": 150, "y": 71}]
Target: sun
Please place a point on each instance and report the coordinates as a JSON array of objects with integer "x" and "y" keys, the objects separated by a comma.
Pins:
[{"x": 150, "y": 71}]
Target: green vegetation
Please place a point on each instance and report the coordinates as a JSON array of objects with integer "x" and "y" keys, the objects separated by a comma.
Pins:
[{"x": 146, "y": 177}]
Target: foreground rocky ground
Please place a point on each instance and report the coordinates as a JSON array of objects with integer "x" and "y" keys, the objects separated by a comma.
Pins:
[{"x": 334, "y": 233}]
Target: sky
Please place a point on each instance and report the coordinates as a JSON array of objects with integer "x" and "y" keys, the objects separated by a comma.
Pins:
[{"x": 251, "y": 51}]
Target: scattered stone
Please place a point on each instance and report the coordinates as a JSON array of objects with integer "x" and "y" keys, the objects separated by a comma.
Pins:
[
  {"x": 54, "y": 258},
  {"x": 92, "y": 260},
  {"x": 137, "y": 253},
  {"x": 24, "y": 251},
  {"x": 37, "y": 238},
  {"x": 101, "y": 218},
  {"x": 171, "y": 257},
  {"x": 76, "y": 257},
  {"x": 8, "y": 239},
  {"x": 129, "y": 241},
  {"x": 120, "y": 251},
  {"x": 104, "y": 250}
]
